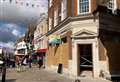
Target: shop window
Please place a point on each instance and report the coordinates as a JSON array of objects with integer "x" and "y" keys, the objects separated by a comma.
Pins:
[{"x": 21, "y": 51}]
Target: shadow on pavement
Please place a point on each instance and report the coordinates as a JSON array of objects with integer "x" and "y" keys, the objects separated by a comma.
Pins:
[{"x": 9, "y": 80}]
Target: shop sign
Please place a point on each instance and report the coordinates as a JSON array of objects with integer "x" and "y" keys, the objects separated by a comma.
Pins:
[{"x": 54, "y": 39}]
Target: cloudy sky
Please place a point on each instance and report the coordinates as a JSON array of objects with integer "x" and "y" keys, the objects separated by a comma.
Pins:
[{"x": 16, "y": 15}]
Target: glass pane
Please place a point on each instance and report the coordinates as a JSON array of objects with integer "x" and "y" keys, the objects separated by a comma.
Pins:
[{"x": 83, "y": 6}]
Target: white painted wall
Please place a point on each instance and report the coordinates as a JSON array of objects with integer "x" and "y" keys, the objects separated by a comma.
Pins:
[{"x": 85, "y": 24}]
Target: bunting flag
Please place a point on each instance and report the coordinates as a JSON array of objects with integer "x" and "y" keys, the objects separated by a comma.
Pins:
[
  {"x": 16, "y": 2},
  {"x": 10, "y": 1},
  {"x": 27, "y": 4},
  {"x": 34, "y": 4},
  {"x": 21, "y": 3}
]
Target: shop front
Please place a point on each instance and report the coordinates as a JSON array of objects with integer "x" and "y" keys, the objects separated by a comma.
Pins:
[{"x": 39, "y": 53}]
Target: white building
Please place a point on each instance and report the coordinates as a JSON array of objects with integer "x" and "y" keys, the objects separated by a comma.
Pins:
[{"x": 21, "y": 49}]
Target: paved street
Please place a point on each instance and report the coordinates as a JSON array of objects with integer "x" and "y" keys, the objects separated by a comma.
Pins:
[{"x": 36, "y": 75}]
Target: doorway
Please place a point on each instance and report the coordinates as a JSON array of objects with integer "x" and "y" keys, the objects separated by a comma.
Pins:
[{"x": 85, "y": 63}]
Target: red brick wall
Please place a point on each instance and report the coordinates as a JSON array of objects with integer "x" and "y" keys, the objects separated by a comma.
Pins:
[
  {"x": 75, "y": 8},
  {"x": 118, "y": 4},
  {"x": 68, "y": 8},
  {"x": 93, "y": 5}
]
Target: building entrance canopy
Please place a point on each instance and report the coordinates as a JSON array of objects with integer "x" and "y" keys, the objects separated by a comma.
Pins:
[{"x": 41, "y": 50}]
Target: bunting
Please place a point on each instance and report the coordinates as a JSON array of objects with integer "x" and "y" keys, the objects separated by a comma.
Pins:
[
  {"x": 10, "y": 1},
  {"x": 34, "y": 4}
]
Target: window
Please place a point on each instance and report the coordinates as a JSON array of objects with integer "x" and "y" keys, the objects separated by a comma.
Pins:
[
  {"x": 112, "y": 5},
  {"x": 21, "y": 51},
  {"x": 63, "y": 9},
  {"x": 50, "y": 23},
  {"x": 55, "y": 16},
  {"x": 50, "y": 3},
  {"x": 83, "y": 6}
]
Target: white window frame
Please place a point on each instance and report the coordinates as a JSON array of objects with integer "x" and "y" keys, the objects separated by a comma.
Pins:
[
  {"x": 50, "y": 3},
  {"x": 63, "y": 9},
  {"x": 113, "y": 6},
  {"x": 78, "y": 9},
  {"x": 55, "y": 17},
  {"x": 50, "y": 23}
]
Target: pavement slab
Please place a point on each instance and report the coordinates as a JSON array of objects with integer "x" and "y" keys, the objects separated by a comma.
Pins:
[{"x": 41, "y": 75}]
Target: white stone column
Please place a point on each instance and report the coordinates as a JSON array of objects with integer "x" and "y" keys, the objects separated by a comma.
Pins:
[
  {"x": 74, "y": 59},
  {"x": 96, "y": 67}
]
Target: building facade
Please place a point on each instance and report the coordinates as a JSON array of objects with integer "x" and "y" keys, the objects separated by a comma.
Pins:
[
  {"x": 21, "y": 48},
  {"x": 82, "y": 50},
  {"x": 40, "y": 39},
  {"x": 29, "y": 36}
]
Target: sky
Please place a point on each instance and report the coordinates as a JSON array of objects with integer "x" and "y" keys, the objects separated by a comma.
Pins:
[{"x": 16, "y": 15}]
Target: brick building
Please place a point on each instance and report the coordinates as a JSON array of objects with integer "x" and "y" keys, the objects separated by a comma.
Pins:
[
  {"x": 89, "y": 40},
  {"x": 40, "y": 39}
]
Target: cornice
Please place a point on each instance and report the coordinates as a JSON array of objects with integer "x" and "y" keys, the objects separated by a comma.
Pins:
[{"x": 68, "y": 20}]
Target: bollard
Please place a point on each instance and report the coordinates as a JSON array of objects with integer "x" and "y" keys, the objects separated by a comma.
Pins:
[
  {"x": 77, "y": 80},
  {"x": 4, "y": 72}
]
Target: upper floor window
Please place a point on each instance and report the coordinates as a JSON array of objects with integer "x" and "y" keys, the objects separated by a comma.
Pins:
[
  {"x": 83, "y": 6},
  {"x": 50, "y": 3},
  {"x": 63, "y": 9},
  {"x": 50, "y": 23},
  {"x": 56, "y": 16},
  {"x": 112, "y": 4}
]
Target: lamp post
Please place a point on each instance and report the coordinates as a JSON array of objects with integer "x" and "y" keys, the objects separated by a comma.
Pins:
[
  {"x": 3, "y": 64},
  {"x": 4, "y": 70}
]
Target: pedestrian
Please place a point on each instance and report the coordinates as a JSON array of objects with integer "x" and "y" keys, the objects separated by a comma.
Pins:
[
  {"x": 40, "y": 62},
  {"x": 18, "y": 63},
  {"x": 30, "y": 61}
]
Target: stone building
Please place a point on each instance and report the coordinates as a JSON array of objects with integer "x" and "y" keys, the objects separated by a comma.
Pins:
[
  {"x": 89, "y": 37},
  {"x": 40, "y": 39}
]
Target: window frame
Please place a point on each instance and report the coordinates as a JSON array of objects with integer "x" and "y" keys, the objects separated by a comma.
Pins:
[
  {"x": 78, "y": 8},
  {"x": 50, "y": 23},
  {"x": 113, "y": 6},
  {"x": 63, "y": 9},
  {"x": 55, "y": 16},
  {"x": 50, "y": 3}
]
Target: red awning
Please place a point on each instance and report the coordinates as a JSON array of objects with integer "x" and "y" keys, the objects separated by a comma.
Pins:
[{"x": 41, "y": 50}]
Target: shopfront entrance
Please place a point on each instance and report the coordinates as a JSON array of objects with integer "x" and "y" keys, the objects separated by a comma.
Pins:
[{"x": 85, "y": 61}]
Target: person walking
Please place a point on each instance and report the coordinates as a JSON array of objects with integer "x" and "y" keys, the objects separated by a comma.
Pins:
[
  {"x": 40, "y": 62},
  {"x": 18, "y": 63},
  {"x": 30, "y": 61}
]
